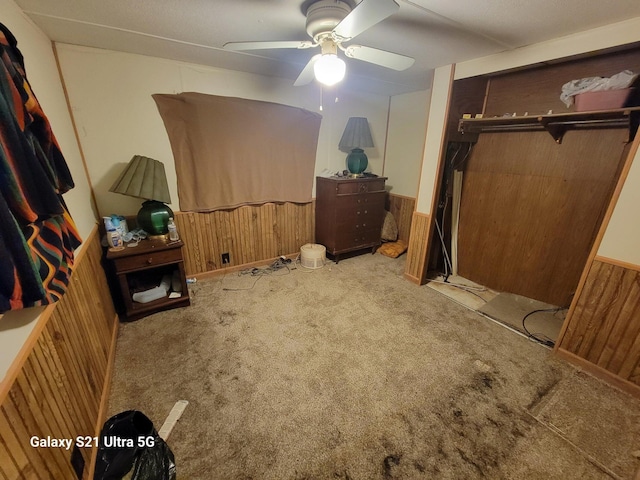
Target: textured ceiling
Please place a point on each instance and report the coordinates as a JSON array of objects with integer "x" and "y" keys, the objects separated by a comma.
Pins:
[{"x": 434, "y": 32}]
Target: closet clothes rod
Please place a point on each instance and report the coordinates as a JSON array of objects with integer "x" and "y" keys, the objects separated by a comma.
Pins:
[{"x": 556, "y": 124}]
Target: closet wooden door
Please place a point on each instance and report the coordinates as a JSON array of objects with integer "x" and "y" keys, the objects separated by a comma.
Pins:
[{"x": 531, "y": 208}]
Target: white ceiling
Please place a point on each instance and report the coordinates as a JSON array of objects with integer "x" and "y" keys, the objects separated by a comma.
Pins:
[{"x": 434, "y": 32}]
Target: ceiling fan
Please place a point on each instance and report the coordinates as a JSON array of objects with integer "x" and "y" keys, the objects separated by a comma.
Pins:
[{"x": 330, "y": 23}]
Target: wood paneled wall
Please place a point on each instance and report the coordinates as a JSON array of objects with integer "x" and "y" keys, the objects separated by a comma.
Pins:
[
  {"x": 604, "y": 328},
  {"x": 537, "y": 90},
  {"x": 467, "y": 96},
  {"x": 249, "y": 234},
  {"x": 262, "y": 232},
  {"x": 57, "y": 386},
  {"x": 402, "y": 208},
  {"x": 414, "y": 268},
  {"x": 531, "y": 209}
]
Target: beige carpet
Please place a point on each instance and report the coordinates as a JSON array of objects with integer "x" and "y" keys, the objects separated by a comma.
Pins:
[{"x": 352, "y": 372}]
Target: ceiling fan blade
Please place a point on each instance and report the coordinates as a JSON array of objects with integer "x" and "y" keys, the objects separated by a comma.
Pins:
[
  {"x": 235, "y": 46},
  {"x": 365, "y": 15},
  {"x": 307, "y": 75},
  {"x": 379, "y": 57}
]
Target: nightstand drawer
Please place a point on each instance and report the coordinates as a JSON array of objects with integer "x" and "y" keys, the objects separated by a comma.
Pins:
[{"x": 147, "y": 260}]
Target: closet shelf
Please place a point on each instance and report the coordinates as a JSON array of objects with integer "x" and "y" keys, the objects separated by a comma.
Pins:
[{"x": 557, "y": 124}]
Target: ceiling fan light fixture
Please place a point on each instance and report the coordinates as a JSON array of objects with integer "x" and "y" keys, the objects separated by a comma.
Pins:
[{"x": 329, "y": 69}]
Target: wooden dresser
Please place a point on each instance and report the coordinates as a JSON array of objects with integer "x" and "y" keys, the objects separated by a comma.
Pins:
[{"x": 349, "y": 213}]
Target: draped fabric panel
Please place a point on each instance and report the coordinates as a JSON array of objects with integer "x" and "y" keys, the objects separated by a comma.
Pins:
[
  {"x": 233, "y": 151},
  {"x": 37, "y": 234}
]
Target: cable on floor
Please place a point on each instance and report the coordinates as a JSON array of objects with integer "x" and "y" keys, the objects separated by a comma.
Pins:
[
  {"x": 466, "y": 288},
  {"x": 538, "y": 337},
  {"x": 279, "y": 265}
]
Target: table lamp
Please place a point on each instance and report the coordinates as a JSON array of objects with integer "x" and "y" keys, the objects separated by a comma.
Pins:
[
  {"x": 356, "y": 137},
  {"x": 145, "y": 178}
]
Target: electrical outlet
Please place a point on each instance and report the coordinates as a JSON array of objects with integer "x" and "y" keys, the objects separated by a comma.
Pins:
[{"x": 225, "y": 258}]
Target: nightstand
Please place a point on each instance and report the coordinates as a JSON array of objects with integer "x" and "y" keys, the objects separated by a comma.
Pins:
[{"x": 142, "y": 267}]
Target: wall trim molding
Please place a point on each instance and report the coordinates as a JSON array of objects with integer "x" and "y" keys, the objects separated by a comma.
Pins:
[
  {"x": 618, "y": 263},
  {"x": 411, "y": 278},
  {"x": 391, "y": 194}
]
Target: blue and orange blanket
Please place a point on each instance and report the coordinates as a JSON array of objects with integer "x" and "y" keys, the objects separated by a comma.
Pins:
[{"x": 37, "y": 234}]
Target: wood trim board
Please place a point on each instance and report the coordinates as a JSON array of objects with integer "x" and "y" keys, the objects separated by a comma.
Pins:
[
  {"x": 417, "y": 250},
  {"x": 619, "y": 263}
]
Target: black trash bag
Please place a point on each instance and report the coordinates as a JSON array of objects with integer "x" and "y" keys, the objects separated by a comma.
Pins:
[{"x": 129, "y": 442}]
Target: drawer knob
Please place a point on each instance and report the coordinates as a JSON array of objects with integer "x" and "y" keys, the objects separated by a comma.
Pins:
[
  {"x": 365, "y": 211},
  {"x": 363, "y": 187},
  {"x": 149, "y": 261}
]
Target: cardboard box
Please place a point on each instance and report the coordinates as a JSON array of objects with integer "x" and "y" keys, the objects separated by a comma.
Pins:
[{"x": 603, "y": 100}]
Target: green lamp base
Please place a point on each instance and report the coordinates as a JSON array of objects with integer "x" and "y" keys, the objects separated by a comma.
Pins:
[
  {"x": 153, "y": 217},
  {"x": 357, "y": 161}
]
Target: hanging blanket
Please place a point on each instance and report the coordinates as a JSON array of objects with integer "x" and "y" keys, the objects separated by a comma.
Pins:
[{"x": 37, "y": 234}]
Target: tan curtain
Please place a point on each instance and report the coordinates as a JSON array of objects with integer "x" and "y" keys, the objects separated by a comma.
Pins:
[{"x": 232, "y": 151}]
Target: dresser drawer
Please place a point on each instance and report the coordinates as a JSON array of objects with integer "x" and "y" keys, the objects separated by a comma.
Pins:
[
  {"x": 347, "y": 188},
  {"x": 356, "y": 201},
  {"x": 151, "y": 259},
  {"x": 351, "y": 239},
  {"x": 367, "y": 217}
]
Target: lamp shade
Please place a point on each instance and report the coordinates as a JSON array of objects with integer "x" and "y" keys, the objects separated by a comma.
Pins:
[
  {"x": 356, "y": 134},
  {"x": 143, "y": 178}
]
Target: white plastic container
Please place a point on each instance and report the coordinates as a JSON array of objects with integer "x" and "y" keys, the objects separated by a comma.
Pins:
[
  {"x": 149, "y": 295},
  {"x": 114, "y": 239},
  {"x": 313, "y": 255},
  {"x": 173, "y": 231}
]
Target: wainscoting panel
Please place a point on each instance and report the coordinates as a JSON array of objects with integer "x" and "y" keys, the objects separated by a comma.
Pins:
[
  {"x": 604, "y": 328},
  {"x": 416, "y": 254},
  {"x": 402, "y": 208},
  {"x": 56, "y": 388},
  {"x": 249, "y": 234}
]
